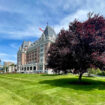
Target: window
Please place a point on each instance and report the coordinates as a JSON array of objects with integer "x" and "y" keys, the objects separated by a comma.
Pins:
[
  {"x": 41, "y": 46},
  {"x": 27, "y": 68},
  {"x": 30, "y": 68},
  {"x": 41, "y": 50},
  {"x": 34, "y": 68},
  {"x": 41, "y": 54},
  {"x": 41, "y": 67},
  {"x": 41, "y": 60}
]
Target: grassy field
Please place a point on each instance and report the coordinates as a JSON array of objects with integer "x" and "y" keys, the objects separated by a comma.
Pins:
[{"x": 36, "y": 89}]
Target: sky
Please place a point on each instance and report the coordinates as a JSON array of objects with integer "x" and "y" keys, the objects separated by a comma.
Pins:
[{"x": 20, "y": 20}]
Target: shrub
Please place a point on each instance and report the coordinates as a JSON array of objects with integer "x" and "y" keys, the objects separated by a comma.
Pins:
[
  {"x": 102, "y": 73},
  {"x": 94, "y": 71}
]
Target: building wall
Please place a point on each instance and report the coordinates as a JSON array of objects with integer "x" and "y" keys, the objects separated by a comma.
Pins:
[
  {"x": 21, "y": 55},
  {"x": 46, "y": 50},
  {"x": 33, "y": 59},
  {"x": 37, "y": 54},
  {"x": 12, "y": 69},
  {"x": 23, "y": 60},
  {"x": 8, "y": 63}
]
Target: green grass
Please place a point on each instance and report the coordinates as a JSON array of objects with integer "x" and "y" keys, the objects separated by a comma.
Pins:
[{"x": 36, "y": 89}]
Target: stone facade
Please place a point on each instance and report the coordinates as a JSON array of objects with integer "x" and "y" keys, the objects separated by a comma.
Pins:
[{"x": 32, "y": 57}]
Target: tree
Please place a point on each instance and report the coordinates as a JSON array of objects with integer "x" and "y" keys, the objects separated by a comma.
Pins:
[
  {"x": 60, "y": 53},
  {"x": 12, "y": 65},
  {"x": 79, "y": 47}
]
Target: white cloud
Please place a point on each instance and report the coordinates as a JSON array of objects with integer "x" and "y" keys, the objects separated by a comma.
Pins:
[
  {"x": 75, "y": 9},
  {"x": 3, "y": 54},
  {"x": 6, "y": 57},
  {"x": 79, "y": 15},
  {"x": 14, "y": 45},
  {"x": 31, "y": 31},
  {"x": 71, "y": 4},
  {"x": 98, "y": 6}
]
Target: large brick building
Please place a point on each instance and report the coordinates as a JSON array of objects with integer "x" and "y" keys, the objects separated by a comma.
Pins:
[{"x": 31, "y": 57}]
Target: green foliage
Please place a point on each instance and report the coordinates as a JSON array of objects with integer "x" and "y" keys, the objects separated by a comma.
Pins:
[
  {"x": 12, "y": 65},
  {"x": 94, "y": 71},
  {"x": 5, "y": 68},
  {"x": 79, "y": 47},
  {"x": 90, "y": 71},
  {"x": 97, "y": 71},
  {"x": 102, "y": 73}
]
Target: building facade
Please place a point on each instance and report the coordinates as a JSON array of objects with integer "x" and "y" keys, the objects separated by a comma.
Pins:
[
  {"x": 12, "y": 69},
  {"x": 32, "y": 57},
  {"x": 9, "y": 67},
  {"x": 6, "y": 64}
]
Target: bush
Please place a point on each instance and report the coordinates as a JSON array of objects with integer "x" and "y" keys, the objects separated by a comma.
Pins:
[
  {"x": 94, "y": 71},
  {"x": 102, "y": 73},
  {"x": 90, "y": 71},
  {"x": 97, "y": 71}
]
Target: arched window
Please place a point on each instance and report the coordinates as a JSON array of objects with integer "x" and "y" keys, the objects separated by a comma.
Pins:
[
  {"x": 30, "y": 68},
  {"x": 34, "y": 68}
]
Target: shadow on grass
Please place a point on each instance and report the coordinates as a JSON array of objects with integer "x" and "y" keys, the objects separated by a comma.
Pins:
[
  {"x": 86, "y": 84},
  {"x": 49, "y": 75},
  {"x": 88, "y": 76}
]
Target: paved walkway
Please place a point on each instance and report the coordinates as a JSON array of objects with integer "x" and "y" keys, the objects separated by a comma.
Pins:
[{"x": 95, "y": 75}]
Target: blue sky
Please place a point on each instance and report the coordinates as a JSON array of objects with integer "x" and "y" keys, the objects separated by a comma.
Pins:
[{"x": 20, "y": 20}]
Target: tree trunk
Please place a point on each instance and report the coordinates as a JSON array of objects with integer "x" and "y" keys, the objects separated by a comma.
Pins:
[{"x": 80, "y": 77}]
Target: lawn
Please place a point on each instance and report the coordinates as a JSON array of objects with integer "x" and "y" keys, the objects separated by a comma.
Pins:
[{"x": 36, "y": 89}]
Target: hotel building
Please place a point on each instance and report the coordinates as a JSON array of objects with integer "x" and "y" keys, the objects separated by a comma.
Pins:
[{"x": 32, "y": 57}]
